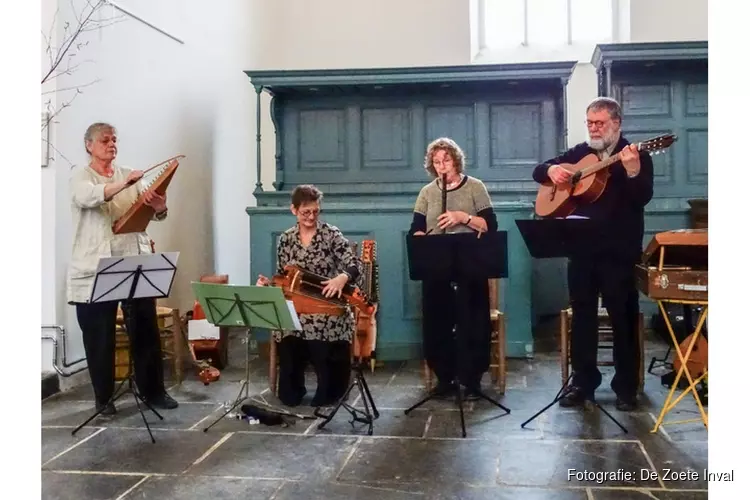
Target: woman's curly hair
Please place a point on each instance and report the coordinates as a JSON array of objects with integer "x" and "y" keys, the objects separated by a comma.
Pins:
[{"x": 450, "y": 147}]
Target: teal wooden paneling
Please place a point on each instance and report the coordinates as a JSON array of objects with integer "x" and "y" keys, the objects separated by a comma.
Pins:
[
  {"x": 360, "y": 135},
  {"x": 399, "y": 313},
  {"x": 663, "y": 88},
  {"x": 342, "y": 140},
  {"x": 675, "y": 106}
]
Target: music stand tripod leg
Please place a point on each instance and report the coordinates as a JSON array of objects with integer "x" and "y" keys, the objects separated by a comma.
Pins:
[
  {"x": 564, "y": 391},
  {"x": 456, "y": 386},
  {"x": 367, "y": 400},
  {"x": 364, "y": 387},
  {"x": 455, "y": 383},
  {"x": 244, "y": 387},
  {"x": 130, "y": 388}
]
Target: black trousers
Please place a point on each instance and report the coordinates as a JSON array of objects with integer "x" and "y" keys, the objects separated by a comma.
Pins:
[
  {"x": 615, "y": 281},
  {"x": 331, "y": 362},
  {"x": 98, "y": 323},
  {"x": 465, "y": 352}
]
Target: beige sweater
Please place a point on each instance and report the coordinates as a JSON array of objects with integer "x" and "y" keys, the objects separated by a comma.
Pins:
[
  {"x": 470, "y": 196},
  {"x": 92, "y": 227}
]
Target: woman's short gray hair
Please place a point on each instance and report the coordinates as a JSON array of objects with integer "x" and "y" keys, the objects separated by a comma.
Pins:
[{"x": 94, "y": 130}]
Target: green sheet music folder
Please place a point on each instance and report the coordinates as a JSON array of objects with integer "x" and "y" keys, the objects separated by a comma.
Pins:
[{"x": 251, "y": 306}]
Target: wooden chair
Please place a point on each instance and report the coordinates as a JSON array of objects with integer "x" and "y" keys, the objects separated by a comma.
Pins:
[
  {"x": 498, "y": 367},
  {"x": 605, "y": 341},
  {"x": 170, "y": 336},
  {"x": 216, "y": 350}
]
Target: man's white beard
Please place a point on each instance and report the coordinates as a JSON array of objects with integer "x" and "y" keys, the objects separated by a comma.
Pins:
[
  {"x": 597, "y": 144},
  {"x": 602, "y": 143}
]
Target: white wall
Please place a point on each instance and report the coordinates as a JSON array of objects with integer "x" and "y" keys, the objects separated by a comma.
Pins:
[
  {"x": 49, "y": 306},
  {"x": 668, "y": 20},
  {"x": 362, "y": 34},
  {"x": 165, "y": 98}
]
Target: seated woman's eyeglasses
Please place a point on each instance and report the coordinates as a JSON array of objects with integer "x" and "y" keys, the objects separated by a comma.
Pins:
[{"x": 309, "y": 212}]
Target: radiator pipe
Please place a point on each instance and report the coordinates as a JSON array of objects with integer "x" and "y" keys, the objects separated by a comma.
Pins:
[{"x": 65, "y": 364}]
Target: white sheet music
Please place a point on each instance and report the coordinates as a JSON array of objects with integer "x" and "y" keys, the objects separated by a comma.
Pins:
[
  {"x": 200, "y": 329},
  {"x": 115, "y": 276},
  {"x": 295, "y": 318}
]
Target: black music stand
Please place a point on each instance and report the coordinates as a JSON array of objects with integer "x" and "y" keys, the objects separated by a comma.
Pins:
[
  {"x": 123, "y": 279},
  {"x": 249, "y": 307},
  {"x": 458, "y": 258},
  {"x": 558, "y": 237}
]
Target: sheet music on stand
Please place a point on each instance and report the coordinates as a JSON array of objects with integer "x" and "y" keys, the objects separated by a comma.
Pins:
[
  {"x": 248, "y": 307},
  {"x": 115, "y": 277}
]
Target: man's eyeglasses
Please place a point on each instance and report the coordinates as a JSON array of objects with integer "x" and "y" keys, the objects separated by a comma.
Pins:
[
  {"x": 309, "y": 213},
  {"x": 595, "y": 124}
]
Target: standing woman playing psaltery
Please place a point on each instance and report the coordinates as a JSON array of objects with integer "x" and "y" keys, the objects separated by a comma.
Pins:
[
  {"x": 319, "y": 248},
  {"x": 101, "y": 192},
  {"x": 468, "y": 209}
]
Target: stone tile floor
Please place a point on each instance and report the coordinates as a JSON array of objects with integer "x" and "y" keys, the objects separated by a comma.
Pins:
[{"x": 420, "y": 455}]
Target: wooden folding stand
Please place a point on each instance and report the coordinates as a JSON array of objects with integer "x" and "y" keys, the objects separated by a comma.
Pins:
[
  {"x": 681, "y": 277},
  {"x": 671, "y": 402}
]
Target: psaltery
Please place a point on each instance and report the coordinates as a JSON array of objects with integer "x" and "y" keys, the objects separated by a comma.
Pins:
[
  {"x": 138, "y": 216},
  {"x": 365, "y": 336}
]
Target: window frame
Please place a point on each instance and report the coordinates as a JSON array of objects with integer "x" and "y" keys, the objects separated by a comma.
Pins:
[{"x": 482, "y": 26}]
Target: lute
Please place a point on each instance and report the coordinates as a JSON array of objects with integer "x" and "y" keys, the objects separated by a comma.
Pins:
[{"x": 590, "y": 176}]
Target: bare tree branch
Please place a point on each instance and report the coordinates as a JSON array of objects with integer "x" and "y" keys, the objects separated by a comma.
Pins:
[
  {"x": 77, "y": 87},
  {"x": 64, "y": 51},
  {"x": 101, "y": 24},
  {"x": 46, "y": 141},
  {"x": 53, "y": 112},
  {"x": 75, "y": 35}
]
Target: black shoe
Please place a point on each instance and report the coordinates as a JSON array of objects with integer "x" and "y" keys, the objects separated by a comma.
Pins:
[
  {"x": 163, "y": 401},
  {"x": 626, "y": 403},
  {"x": 443, "y": 390},
  {"x": 323, "y": 400},
  {"x": 109, "y": 408},
  {"x": 575, "y": 397},
  {"x": 471, "y": 392}
]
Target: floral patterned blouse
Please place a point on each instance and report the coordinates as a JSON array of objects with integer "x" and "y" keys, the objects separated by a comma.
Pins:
[{"x": 328, "y": 254}]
